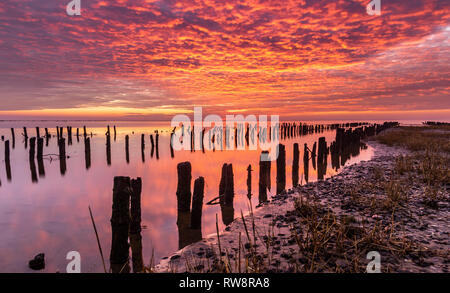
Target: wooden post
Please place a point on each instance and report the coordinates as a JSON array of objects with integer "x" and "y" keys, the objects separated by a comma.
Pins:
[
  {"x": 295, "y": 165},
  {"x": 135, "y": 226},
  {"x": 84, "y": 131},
  {"x": 62, "y": 155},
  {"x": 108, "y": 150},
  {"x": 281, "y": 169},
  {"x": 127, "y": 150},
  {"x": 184, "y": 187},
  {"x": 120, "y": 222},
  {"x": 87, "y": 152},
  {"x": 249, "y": 182},
  {"x": 197, "y": 203},
  {"x": 263, "y": 178},
  {"x": 32, "y": 147},
  {"x": 13, "y": 138},
  {"x": 37, "y": 132},
  {"x": 115, "y": 133},
  {"x": 157, "y": 145},
  {"x": 69, "y": 135},
  {"x": 31, "y": 159},
  {"x": 172, "y": 155},
  {"x": 306, "y": 162},
  {"x": 7, "y": 161},
  {"x": 153, "y": 144},
  {"x": 143, "y": 147},
  {"x": 40, "y": 150}
]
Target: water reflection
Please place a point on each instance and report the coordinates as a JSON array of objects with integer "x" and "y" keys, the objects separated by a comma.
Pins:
[{"x": 35, "y": 217}]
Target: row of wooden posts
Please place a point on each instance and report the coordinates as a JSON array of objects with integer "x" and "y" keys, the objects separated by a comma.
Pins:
[{"x": 126, "y": 211}]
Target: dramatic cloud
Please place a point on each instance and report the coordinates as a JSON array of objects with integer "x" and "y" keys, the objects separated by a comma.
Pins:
[{"x": 302, "y": 58}]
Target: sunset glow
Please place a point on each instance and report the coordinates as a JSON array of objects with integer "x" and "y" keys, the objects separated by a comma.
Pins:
[{"x": 145, "y": 59}]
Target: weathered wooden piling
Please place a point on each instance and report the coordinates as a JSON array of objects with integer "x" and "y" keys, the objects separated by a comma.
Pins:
[
  {"x": 13, "y": 138},
  {"x": 32, "y": 148},
  {"x": 25, "y": 134},
  {"x": 153, "y": 145},
  {"x": 40, "y": 150},
  {"x": 120, "y": 222},
  {"x": 108, "y": 150},
  {"x": 87, "y": 153},
  {"x": 262, "y": 192},
  {"x": 69, "y": 135},
  {"x": 127, "y": 148},
  {"x": 281, "y": 169},
  {"x": 197, "y": 203},
  {"x": 62, "y": 155},
  {"x": 84, "y": 131},
  {"x": 226, "y": 186},
  {"x": 249, "y": 182},
  {"x": 143, "y": 147},
  {"x": 306, "y": 162},
  {"x": 7, "y": 161},
  {"x": 157, "y": 145},
  {"x": 135, "y": 226},
  {"x": 184, "y": 186},
  {"x": 295, "y": 165},
  {"x": 37, "y": 132},
  {"x": 115, "y": 133}
]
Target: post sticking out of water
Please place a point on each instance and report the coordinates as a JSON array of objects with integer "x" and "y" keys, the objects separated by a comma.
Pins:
[
  {"x": 115, "y": 133},
  {"x": 197, "y": 203},
  {"x": 120, "y": 222},
  {"x": 281, "y": 169},
  {"x": 37, "y": 132},
  {"x": 172, "y": 155},
  {"x": 40, "y": 150},
  {"x": 157, "y": 145},
  {"x": 184, "y": 186},
  {"x": 127, "y": 150},
  {"x": 306, "y": 162},
  {"x": 31, "y": 159},
  {"x": 153, "y": 144},
  {"x": 249, "y": 182},
  {"x": 135, "y": 225},
  {"x": 87, "y": 152},
  {"x": 7, "y": 161},
  {"x": 13, "y": 137},
  {"x": 143, "y": 147},
  {"x": 295, "y": 165},
  {"x": 62, "y": 155},
  {"x": 25, "y": 134},
  {"x": 108, "y": 150},
  {"x": 84, "y": 131},
  {"x": 32, "y": 147},
  {"x": 264, "y": 176}
]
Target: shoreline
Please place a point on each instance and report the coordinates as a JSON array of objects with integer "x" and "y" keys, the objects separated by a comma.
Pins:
[{"x": 272, "y": 227}]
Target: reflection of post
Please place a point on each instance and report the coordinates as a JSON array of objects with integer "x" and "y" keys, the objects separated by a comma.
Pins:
[
  {"x": 62, "y": 155},
  {"x": 127, "y": 150},
  {"x": 7, "y": 161},
  {"x": 295, "y": 165},
  {"x": 31, "y": 159},
  {"x": 306, "y": 163},
  {"x": 108, "y": 150},
  {"x": 87, "y": 152},
  {"x": 41, "y": 169},
  {"x": 135, "y": 226},
  {"x": 143, "y": 147},
  {"x": 249, "y": 182},
  {"x": 120, "y": 221},
  {"x": 281, "y": 169}
]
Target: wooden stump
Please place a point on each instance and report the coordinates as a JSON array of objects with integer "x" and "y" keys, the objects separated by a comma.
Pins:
[
  {"x": 197, "y": 203},
  {"x": 184, "y": 187},
  {"x": 295, "y": 165}
]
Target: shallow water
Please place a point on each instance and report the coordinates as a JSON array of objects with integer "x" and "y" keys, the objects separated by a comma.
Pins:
[{"x": 51, "y": 214}]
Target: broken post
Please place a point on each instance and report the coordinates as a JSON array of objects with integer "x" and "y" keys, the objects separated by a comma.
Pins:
[
  {"x": 87, "y": 152},
  {"x": 62, "y": 155},
  {"x": 127, "y": 150},
  {"x": 249, "y": 182},
  {"x": 120, "y": 221},
  {"x": 7, "y": 161},
  {"x": 197, "y": 203},
  {"x": 184, "y": 186},
  {"x": 135, "y": 225}
]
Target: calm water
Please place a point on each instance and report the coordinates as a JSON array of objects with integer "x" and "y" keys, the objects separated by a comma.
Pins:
[{"x": 51, "y": 214}]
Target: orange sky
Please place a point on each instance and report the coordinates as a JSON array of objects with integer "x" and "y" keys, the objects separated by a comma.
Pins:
[{"x": 145, "y": 59}]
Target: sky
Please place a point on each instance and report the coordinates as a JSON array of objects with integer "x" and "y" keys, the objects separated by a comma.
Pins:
[{"x": 150, "y": 60}]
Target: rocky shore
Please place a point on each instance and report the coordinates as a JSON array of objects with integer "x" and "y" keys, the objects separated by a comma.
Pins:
[{"x": 331, "y": 226}]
